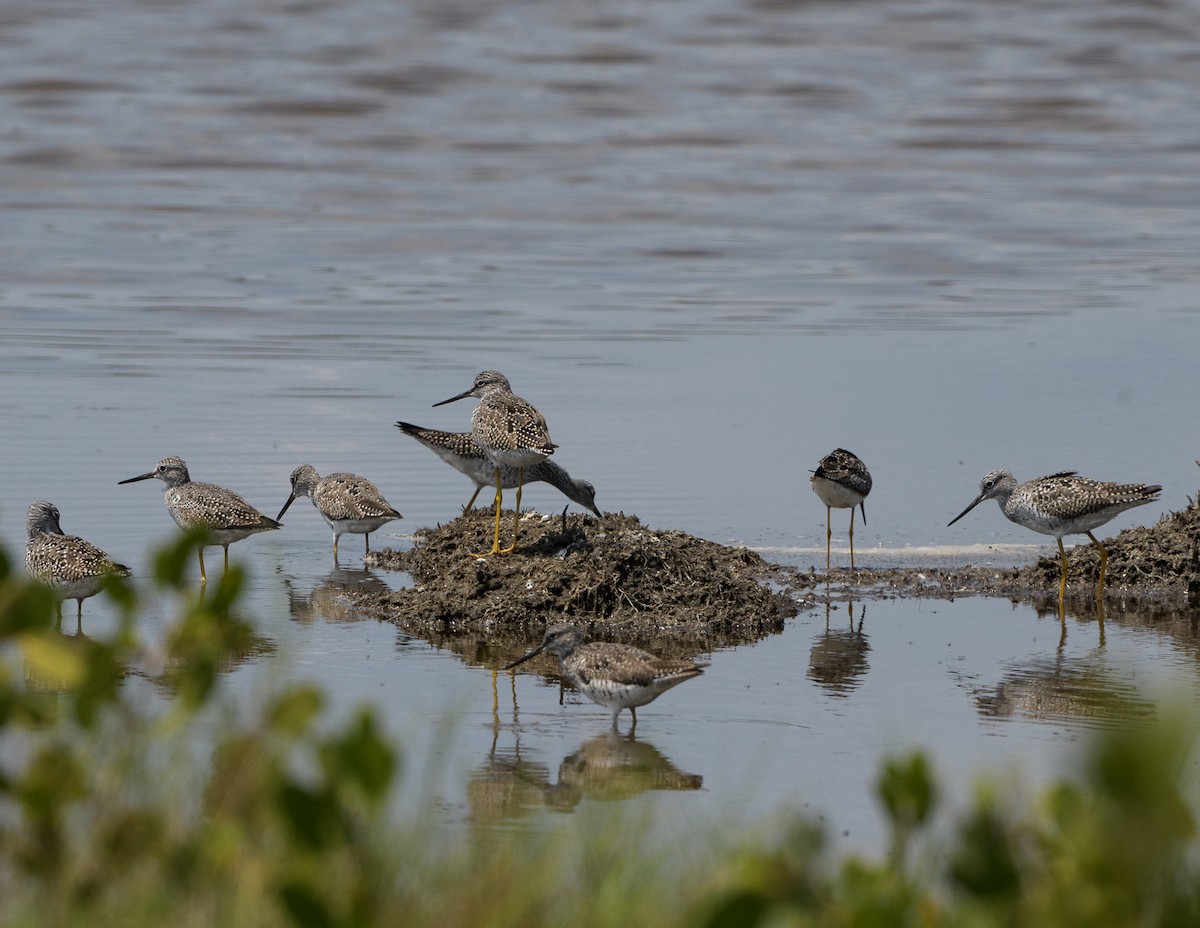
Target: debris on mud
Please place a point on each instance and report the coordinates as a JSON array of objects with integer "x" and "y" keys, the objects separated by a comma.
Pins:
[
  {"x": 680, "y": 595},
  {"x": 615, "y": 577},
  {"x": 1159, "y": 561}
]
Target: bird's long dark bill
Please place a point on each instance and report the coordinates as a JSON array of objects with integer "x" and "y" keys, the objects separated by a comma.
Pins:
[
  {"x": 521, "y": 660},
  {"x": 291, "y": 499},
  {"x": 136, "y": 479},
  {"x": 454, "y": 399},
  {"x": 978, "y": 500}
]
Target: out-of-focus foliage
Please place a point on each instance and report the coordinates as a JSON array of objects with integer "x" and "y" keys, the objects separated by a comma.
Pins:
[{"x": 108, "y": 815}]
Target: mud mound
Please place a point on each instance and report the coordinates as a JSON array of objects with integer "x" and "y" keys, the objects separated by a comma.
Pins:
[{"x": 614, "y": 576}]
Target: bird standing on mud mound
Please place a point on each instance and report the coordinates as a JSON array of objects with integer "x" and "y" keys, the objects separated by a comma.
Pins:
[
  {"x": 347, "y": 503},
  {"x": 511, "y": 433},
  {"x": 615, "y": 676},
  {"x": 71, "y": 567},
  {"x": 224, "y": 515},
  {"x": 1062, "y": 504},
  {"x": 842, "y": 481},
  {"x": 462, "y": 452}
]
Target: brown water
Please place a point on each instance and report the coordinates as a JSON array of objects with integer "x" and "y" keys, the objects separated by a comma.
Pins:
[{"x": 710, "y": 241}]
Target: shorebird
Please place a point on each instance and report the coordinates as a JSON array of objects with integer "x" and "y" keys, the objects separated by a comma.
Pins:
[
  {"x": 511, "y": 433},
  {"x": 347, "y": 503},
  {"x": 842, "y": 481},
  {"x": 224, "y": 515},
  {"x": 1062, "y": 504},
  {"x": 71, "y": 567},
  {"x": 615, "y": 676},
  {"x": 462, "y": 452}
]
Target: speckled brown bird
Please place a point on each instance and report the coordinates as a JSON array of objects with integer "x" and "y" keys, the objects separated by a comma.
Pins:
[
  {"x": 462, "y": 452},
  {"x": 511, "y": 433},
  {"x": 842, "y": 481},
  {"x": 71, "y": 567},
  {"x": 347, "y": 503},
  {"x": 616, "y": 676},
  {"x": 224, "y": 515},
  {"x": 1062, "y": 504}
]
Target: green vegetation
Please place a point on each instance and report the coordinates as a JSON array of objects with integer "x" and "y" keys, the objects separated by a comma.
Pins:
[{"x": 108, "y": 818}]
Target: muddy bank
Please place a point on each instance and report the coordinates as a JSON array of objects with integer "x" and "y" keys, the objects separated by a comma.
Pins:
[
  {"x": 1149, "y": 563},
  {"x": 624, "y": 581},
  {"x": 620, "y": 579}
]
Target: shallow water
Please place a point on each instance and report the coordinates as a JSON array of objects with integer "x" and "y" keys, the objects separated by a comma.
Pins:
[{"x": 710, "y": 241}]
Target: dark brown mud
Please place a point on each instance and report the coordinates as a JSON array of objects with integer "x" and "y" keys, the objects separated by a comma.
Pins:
[
  {"x": 623, "y": 581},
  {"x": 617, "y": 578}
]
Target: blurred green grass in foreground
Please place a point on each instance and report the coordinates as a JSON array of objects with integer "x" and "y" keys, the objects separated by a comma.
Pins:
[{"x": 106, "y": 817}]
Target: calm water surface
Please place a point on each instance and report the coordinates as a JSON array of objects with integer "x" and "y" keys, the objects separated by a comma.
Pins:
[{"x": 710, "y": 241}]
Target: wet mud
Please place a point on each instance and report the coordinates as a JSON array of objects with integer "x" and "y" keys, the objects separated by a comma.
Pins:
[
  {"x": 623, "y": 581},
  {"x": 615, "y": 577}
]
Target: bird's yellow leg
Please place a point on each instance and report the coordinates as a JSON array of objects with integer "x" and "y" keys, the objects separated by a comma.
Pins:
[
  {"x": 496, "y": 534},
  {"x": 828, "y": 534},
  {"x": 203, "y": 576},
  {"x": 471, "y": 501},
  {"x": 1103, "y": 566},
  {"x": 1062, "y": 584},
  {"x": 852, "y": 538},
  {"x": 517, "y": 513}
]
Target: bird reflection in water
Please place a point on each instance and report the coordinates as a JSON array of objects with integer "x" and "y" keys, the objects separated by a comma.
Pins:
[
  {"x": 506, "y": 786},
  {"x": 1063, "y": 689},
  {"x": 609, "y": 767},
  {"x": 838, "y": 659},
  {"x": 332, "y": 599}
]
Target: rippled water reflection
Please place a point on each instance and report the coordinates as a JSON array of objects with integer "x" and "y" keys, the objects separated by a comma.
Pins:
[{"x": 710, "y": 240}]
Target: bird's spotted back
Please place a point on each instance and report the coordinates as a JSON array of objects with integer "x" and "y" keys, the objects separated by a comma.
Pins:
[{"x": 846, "y": 469}]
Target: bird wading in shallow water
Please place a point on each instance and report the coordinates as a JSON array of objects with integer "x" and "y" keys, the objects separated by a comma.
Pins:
[
  {"x": 511, "y": 433},
  {"x": 206, "y": 507},
  {"x": 462, "y": 452},
  {"x": 347, "y": 503},
  {"x": 841, "y": 481},
  {"x": 615, "y": 676},
  {"x": 68, "y": 565},
  {"x": 1062, "y": 504}
]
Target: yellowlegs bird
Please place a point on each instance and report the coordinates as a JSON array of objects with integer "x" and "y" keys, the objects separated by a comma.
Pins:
[
  {"x": 462, "y": 452},
  {"x": 1062, "y": 504},
  {"x": 71, "y": 567},
  {"x": 615, "y": 676},
  {"x": 347, "y": 503},
  {"x": 511, "y": 433},
  {"x": 224, "y": 515},
  {"x": 842, "y": 481}
]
